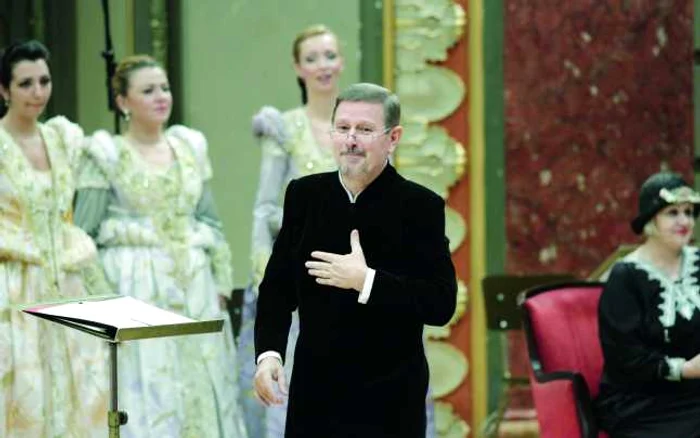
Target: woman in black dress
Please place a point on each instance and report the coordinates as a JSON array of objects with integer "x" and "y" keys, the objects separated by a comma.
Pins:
[{"x": 649, "y": 320}]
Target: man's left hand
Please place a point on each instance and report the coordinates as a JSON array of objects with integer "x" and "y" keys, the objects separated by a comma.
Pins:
[{"x": 345, "y": 271}]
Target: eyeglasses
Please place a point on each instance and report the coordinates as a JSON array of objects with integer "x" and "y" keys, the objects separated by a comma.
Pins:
[{"x": 361, "y": 134}]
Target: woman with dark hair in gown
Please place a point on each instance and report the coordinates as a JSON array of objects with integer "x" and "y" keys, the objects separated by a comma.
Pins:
[{"x": 53, "y": 380}]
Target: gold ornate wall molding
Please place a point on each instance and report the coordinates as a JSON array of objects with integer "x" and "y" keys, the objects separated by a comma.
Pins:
[
  {"x": 422, "y": 32},
  {"x": 448, "y": 424}
]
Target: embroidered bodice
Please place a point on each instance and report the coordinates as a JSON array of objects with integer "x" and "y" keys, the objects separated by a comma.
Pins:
[
  {"x": 308, "y": 155},
  {"x": 35, "y": 206},
  {"x": 293, "y": 154},
  {"x": 156, "y": 207}
]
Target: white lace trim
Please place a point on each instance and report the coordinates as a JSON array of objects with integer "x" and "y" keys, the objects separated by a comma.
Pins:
[{"x": 680, "y": 297}]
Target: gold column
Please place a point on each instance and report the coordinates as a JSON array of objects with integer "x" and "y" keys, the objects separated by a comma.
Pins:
[
  {"x": 477, "y": 212},
  {"x": 38, "y": 22},
  {"x": 388, "y": 26},
  {"x": 418, "y": 35}
]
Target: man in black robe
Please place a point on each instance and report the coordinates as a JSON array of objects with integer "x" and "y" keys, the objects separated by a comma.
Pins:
[{"x": 362, "y": 255}]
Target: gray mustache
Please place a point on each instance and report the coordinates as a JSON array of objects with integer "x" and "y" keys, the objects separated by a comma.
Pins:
[{"x": 357, "y": 154}]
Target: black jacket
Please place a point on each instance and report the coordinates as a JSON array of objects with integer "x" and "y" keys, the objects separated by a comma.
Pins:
[{"x": 359, "y": 369}]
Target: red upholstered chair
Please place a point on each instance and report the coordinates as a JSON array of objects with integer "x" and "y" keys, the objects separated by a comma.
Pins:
[
  {"x": 504, "y": 323},
  {"x": 561, "y": 327}
]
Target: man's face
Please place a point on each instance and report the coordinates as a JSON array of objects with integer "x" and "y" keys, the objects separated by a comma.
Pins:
[{"x": 361, "y": 142}]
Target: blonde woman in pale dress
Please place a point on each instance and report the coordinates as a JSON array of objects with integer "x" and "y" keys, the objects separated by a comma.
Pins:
[
  {"x": 53, "y": 380},
  {"x": 146, "y": 198},
  {"x": 294, "y": 143}
]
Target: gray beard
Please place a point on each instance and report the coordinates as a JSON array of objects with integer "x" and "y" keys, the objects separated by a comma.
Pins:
[{"x": 349, "y": 171}]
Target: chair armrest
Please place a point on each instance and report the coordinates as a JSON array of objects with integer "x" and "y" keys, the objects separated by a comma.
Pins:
[{"x": 563, "y": 405}]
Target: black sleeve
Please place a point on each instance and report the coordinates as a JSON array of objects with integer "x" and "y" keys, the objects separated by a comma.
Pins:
[
  {"x": 277, "y": 297},
  {"x": 621, "y": 328},
  {"x": 429, "y": 291}
]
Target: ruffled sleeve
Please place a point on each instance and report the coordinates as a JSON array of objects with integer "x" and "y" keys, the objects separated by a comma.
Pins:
[
  {"x": 269, "y": 124},
  {"x": 219, "y": 252},
  {"x": 270, "y": 129},
  {"x": 91, "y": 206},
  {"x": 93, "y": 194},
  {"x": 95, "y": 161},
  {"x": 72, "y": 139},
  {"x": 198, "y": 143},
  {"x": 206, "y": 213}
]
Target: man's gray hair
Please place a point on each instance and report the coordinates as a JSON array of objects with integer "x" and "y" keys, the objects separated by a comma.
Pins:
[{"x": 372, "y": 93}]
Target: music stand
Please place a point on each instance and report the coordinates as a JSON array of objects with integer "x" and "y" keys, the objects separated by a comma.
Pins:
[{"x": 118, "y": 319}]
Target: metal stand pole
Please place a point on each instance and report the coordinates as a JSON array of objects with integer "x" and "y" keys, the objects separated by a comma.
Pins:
[
  {"x": 110, "y": 64},
  {"x": 115, "y": 417}
]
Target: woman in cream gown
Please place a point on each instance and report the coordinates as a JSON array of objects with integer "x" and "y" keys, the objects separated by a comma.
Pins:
[
  {"x": 53, "y": 379},
  {"x": 145, "y": 197}
]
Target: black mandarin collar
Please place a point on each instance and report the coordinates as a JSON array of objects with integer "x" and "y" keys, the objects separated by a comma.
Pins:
[{"x": 375, "y": 188}]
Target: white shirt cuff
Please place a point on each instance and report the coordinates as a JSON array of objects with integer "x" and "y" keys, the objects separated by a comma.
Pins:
[
  {"x": 267, "y": 354},
  {"x": 675, "y": 368},
  {"x": 367, "y": 286}
]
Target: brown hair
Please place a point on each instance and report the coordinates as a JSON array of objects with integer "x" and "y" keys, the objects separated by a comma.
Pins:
[
  {"x": 128, "y": 65},
  {"x": 31, "y": 50},
  {"x": 309, "y": 32},
  {"x": 372, "y": 93},
  {"x": 15, "y": 53}
]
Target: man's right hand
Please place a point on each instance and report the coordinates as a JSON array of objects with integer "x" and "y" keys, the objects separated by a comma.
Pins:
[
  {"x": 270, "y": 370},
  {"x": 691, "y": 368}
]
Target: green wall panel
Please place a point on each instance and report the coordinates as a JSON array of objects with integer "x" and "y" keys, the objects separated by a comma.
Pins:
[{"x": 236, "y": 57}]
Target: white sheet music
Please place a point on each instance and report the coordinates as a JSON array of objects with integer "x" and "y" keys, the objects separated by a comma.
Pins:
[{"x": 121, "y": 312}]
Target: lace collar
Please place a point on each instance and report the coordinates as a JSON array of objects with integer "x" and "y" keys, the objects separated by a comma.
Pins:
[{"x": 680, "y": 296}]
